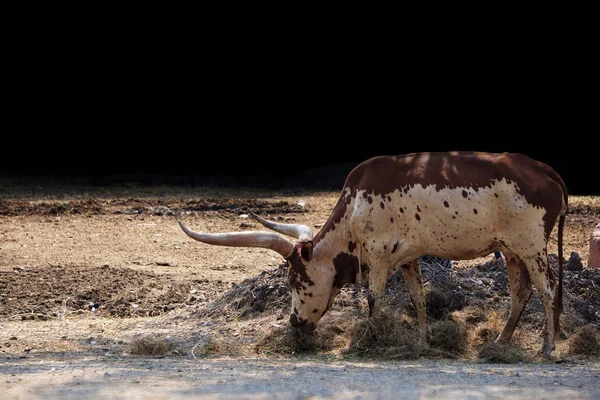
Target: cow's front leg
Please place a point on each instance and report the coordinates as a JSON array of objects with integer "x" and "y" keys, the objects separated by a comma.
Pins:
[
  {"x": 370, "y": 301},
  {"x": 412, "y": 277},
  {"x": 377, "y": 280}
]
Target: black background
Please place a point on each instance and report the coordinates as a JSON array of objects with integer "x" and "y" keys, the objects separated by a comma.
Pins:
[{"x": 258, "y": 109}]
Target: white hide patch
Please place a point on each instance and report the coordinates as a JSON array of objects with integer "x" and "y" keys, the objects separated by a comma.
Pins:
[{"x": 459, "y": 223}]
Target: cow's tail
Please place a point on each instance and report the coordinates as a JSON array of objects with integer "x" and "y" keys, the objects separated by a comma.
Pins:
[{"x": 558, "y": 299}]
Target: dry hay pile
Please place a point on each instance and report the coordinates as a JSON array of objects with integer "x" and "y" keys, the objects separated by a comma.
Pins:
[{"x": 466, "y": 309}]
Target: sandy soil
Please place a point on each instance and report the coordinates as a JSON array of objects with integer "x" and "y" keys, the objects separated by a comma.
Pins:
[{"x": 88, "y": 273}]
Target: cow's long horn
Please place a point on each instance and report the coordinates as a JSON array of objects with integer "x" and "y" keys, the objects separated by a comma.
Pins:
[
  {"x": 267, "y": 240},
  {"x": 301, "y": 232}
]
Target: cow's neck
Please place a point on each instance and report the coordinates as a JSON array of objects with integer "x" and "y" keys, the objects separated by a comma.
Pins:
[{"x": 334, "y": 247}]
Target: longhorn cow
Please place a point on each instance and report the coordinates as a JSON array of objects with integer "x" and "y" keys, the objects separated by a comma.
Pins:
[{"x": 393, "y": 209}]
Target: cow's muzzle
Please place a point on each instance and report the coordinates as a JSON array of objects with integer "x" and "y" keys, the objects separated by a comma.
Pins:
[{"x": 301, "y": 324}]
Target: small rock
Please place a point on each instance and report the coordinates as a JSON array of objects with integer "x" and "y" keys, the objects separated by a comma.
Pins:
[{"x": 574, "y": 263}]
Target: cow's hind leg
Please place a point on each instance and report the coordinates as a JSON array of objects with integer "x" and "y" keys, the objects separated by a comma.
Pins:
[
  {"x": 412, "y": 277},
  {"x": 542, "y": 278},
  {"x": 520, "y": 292}
]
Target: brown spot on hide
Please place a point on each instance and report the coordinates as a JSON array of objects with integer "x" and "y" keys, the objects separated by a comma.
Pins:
[
  {"x": 364, "y": 271},
  {"x": 315, "y": 310},
  {"x": 446, "y": 204},
  {"x": 346, "y": 269},
  {"x": 370, "y": 200},
  {"x": 464, "y": 194},
  {"x": 475, "y": 210},
  {"x": 392, "y": 220},
  {"x": 418, "y": 208},
  {"x": 418, "y": 217},
  {"x": 382, "y": 205},
  {"x": 297, "y": 275},
  {"x": 395, "y": 247},
  {"x": 351, "y": 246},
  {"x": 402, "y": 210}
]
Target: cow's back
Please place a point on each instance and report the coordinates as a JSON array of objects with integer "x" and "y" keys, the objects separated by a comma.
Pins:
[{"x": 535, "y": 181}]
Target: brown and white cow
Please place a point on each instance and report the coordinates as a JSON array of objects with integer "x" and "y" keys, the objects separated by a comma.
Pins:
[{"x": 393, "y": 209}]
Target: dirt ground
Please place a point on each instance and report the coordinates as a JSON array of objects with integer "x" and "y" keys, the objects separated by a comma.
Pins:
[{"x": 102, "y": 295}]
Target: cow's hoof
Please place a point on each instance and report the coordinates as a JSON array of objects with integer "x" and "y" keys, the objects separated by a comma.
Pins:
[{"x": 546, "y": 352}]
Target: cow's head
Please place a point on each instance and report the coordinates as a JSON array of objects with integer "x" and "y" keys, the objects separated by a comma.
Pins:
[{"x": 311, "y": 279}]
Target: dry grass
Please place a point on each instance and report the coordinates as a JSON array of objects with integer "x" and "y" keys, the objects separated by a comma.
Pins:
[
  {"x": 503, "y": 353},
  {"x": 450, "y": 337},
  {"x": 485, "y": 331},
  {"x": 390, "y": 333},
  {"x": 585, "y": 341},
  {"x": 210, "y": 346},
  {"x": 150, "y": 346},
  {"x": 482, "y": 327},
  {"x": 387, "y": 334},
  {"x": 287, "y": 340},
  {"x": 578, "y": 201}
]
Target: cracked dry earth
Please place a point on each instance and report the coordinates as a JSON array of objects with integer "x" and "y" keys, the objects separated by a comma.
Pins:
[{"x": 91, "y": 275}]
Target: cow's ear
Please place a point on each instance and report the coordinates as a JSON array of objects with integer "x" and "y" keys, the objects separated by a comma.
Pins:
[{"x": 306, "y": 250}]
